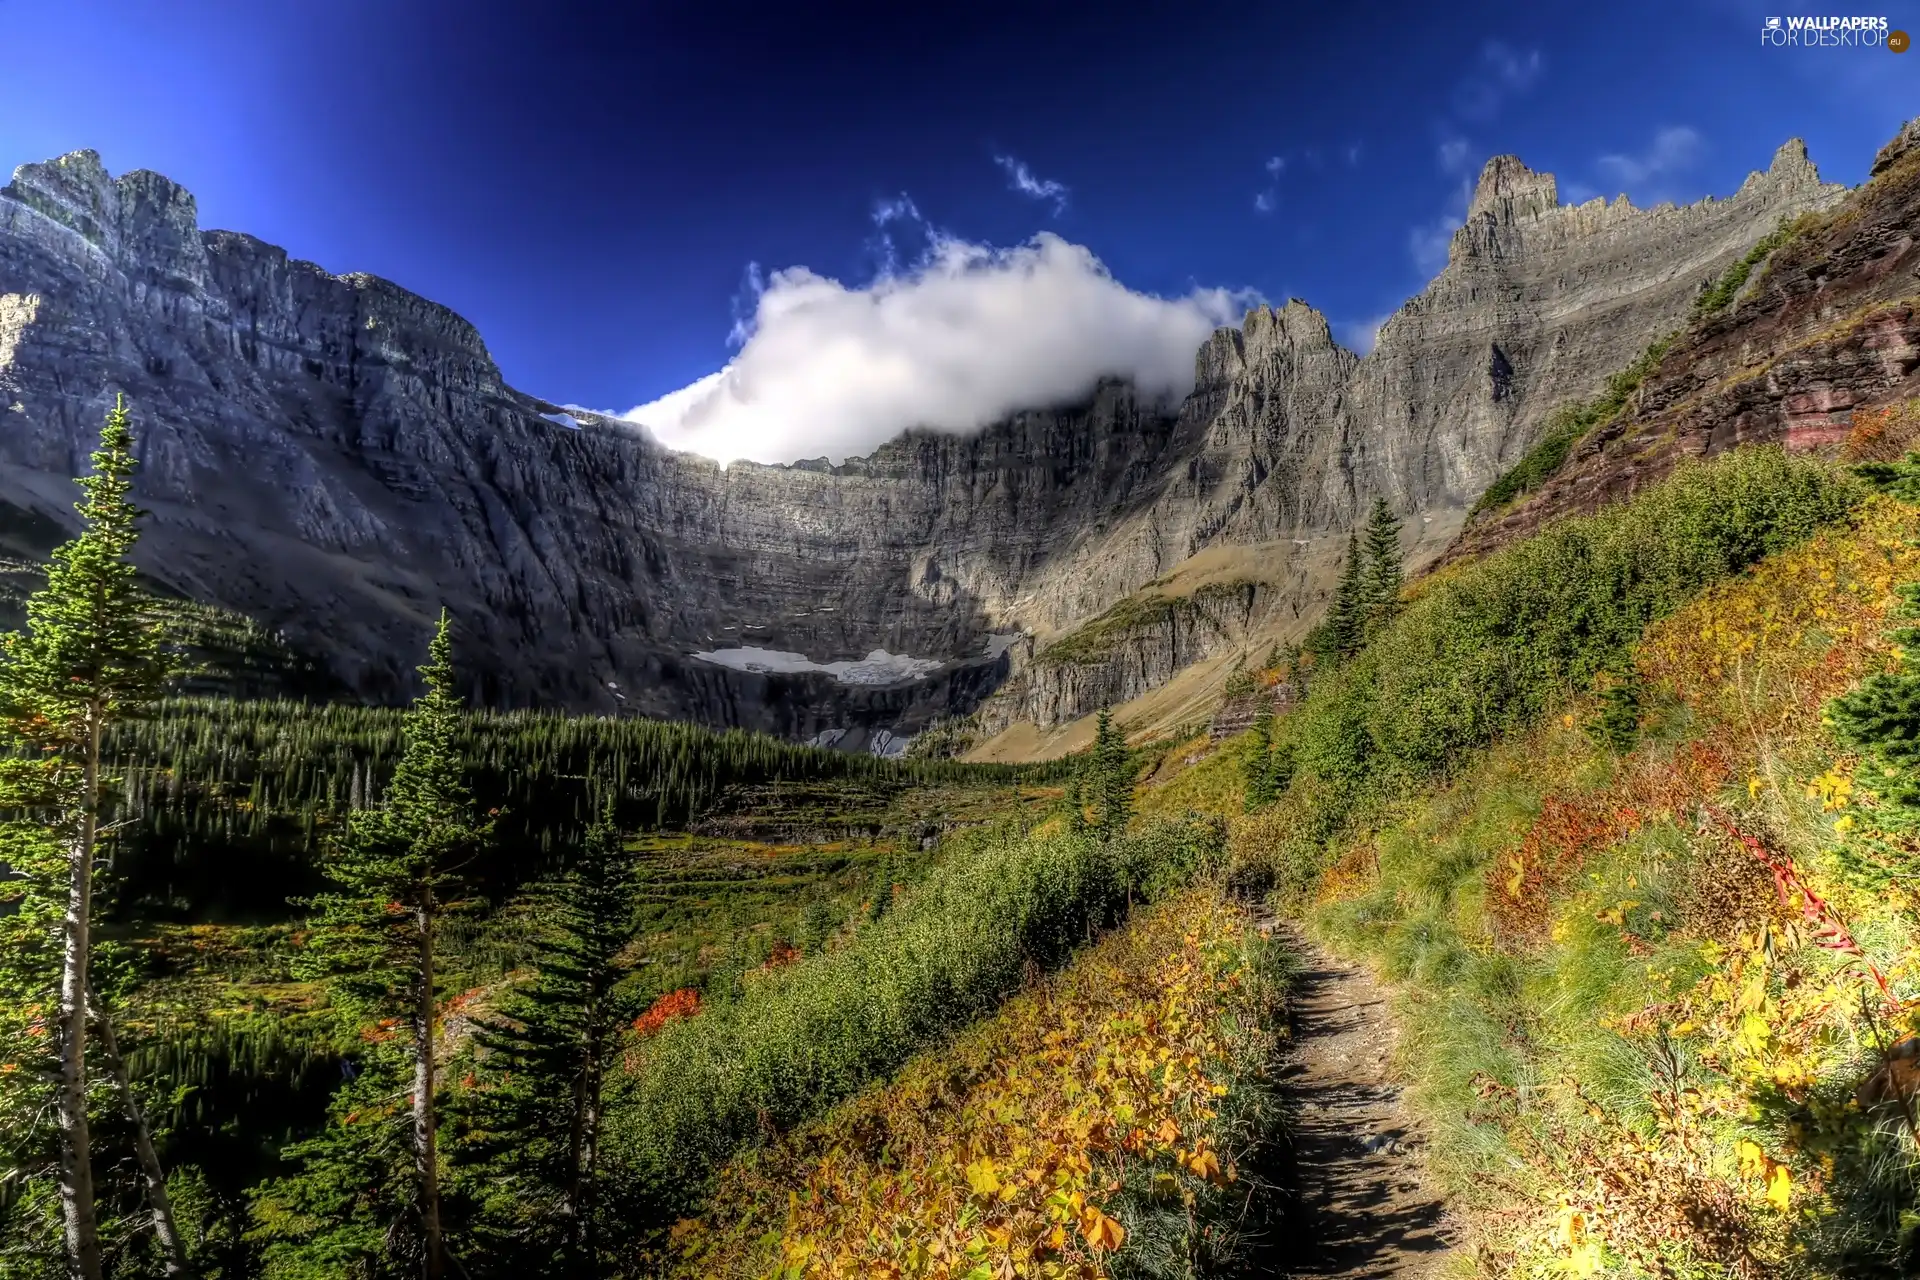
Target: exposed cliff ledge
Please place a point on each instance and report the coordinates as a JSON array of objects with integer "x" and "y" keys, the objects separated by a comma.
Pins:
[
  {"x": 1137, "y": 645},
  {"x": 338, "y": 457}
]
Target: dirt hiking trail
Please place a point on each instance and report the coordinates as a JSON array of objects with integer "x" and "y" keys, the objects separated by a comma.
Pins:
[{"x": 1364, "y": 1204}]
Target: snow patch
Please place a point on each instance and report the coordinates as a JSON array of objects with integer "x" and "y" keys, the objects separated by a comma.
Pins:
[
  {"x": 562, "y": 420},
  {"x": 878, "y": 667}
]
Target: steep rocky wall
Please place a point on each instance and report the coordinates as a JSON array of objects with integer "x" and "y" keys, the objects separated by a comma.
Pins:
[
  {"x": 339, "y": 457},
  {"x": 1830, "y": 325}
]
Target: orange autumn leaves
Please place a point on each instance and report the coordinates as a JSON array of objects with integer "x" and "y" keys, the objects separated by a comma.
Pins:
[
  {"x": 1004, "y": 1154},
  {"x": 684, "y": 1003}
]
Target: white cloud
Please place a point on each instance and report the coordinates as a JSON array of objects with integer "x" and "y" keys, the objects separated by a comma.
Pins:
[
  {"x": 743, "y": 304},
  {"x": 1265, "y": 200},
  {"x": 1673, "y": 149},
  {"x": 1022, "y": 179},
  {"x": 966, "y": 337},
  {"x": 1353, "y": 155},
  {"x": 1429, "y": 243},
  {"x": 1277, "y": 165},
  {"x": 1453, "y": 153},
  {"x": 901, "y": 209}
]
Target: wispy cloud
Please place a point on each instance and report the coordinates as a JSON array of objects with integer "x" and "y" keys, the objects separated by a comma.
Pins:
[
  {"x": 967, "y": 335},
  {"x": 1502, "y": 73},
  {"x": 1431, "y": 241},
  {"x": 1353, "y": 155},
  {"x": 1361, "y": 335},
  {"x": 1022, "y": 179},
  {"x": 1673, "y": 150},
  {"x": 743, "y": 304},
  {"x": 1268, "y": 199},
  {"x": 899, "y": 209}
]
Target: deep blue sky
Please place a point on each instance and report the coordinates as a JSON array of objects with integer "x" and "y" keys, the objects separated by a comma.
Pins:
[{"x": 588, "y": 183}]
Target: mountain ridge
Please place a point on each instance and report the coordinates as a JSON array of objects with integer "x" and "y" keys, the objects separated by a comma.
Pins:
[{"x": 338, "y": 456}]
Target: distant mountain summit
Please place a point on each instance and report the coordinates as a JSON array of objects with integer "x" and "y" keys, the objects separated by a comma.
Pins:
[{"x": 337, "y": 457}]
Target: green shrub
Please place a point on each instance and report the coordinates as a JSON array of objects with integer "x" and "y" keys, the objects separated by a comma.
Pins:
[
  {"x": 1485, "y": 649},
  {"x": 1096, "y": 640},
  {"x": 951, "y": 952}
]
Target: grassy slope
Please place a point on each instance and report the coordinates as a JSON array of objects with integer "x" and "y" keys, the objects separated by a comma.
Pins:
[{"x": 1635, "y": 1050}]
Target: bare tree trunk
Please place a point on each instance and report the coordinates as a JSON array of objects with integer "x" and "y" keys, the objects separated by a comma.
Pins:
[
  {"x": 150, "y": 1170},
  {"x": 80, "y": 1227},
  {"x": 426, "y": 1156},
  {"x": 586, "y": 1218},
  {"x": 586, "y": 1137}
]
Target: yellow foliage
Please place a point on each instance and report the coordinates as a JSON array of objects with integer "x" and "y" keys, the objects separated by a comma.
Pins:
[{"x": 997, "y": 1155}]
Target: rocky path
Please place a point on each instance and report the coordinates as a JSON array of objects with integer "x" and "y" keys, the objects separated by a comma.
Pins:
[{"x": 1364, "y": 1208}]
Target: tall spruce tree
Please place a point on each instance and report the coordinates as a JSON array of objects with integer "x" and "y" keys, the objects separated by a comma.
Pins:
[
  {"x": 89, "y": 655},
  {"x": 1382, "y": 575},
  {"x": 1112, "y": 771},
  {"x": 1346, "y": 620},
  {"x": 374, "y": 942},
  {"x": 546, "y": 1057}
]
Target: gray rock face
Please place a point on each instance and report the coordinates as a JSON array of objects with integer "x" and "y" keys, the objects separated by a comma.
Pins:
[
  {"x": 339, "y": 458},
  {"x": 1287, "y": 437}
]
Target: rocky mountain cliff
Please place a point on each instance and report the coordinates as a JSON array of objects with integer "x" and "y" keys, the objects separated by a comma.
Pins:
[
  {"x": 338, "y": 457},
  {"x": 1829, "y": 327}
]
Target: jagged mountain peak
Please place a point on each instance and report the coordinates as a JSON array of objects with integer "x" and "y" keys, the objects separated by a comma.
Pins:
[{"x": 1508, "y": 191}]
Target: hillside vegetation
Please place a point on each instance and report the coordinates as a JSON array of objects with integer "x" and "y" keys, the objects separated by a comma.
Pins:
[
  {"x": 1098, "y": 1125},
  {"x": 1603, "y": 806}
]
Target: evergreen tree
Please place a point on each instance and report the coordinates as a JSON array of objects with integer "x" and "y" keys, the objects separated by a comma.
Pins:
[
  {"x": 374, "y": 942},
  {"x": 1112, "y": 770},
  {"x": 88, "y": 656},
  {"x": 1617, "y": 727},
  {"x": 1881, "y": 719},
  {"x": 546, "y": 1058},
  {"x": 1381, "y": 577},
  {"x": 1257, "y": 768},
  {"x": 1076, "y": 801},
  {"x": 1346, "y": 619}
]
